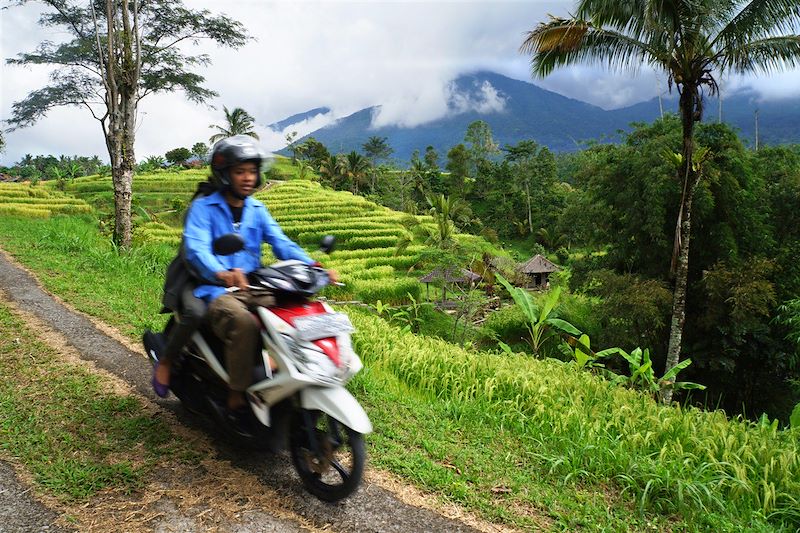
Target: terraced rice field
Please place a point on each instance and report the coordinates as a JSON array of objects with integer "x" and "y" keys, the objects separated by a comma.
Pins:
[
  {"x": 154, "y": 191},
  {"x": 367, "y": 234},
  {"x": 38, "y": 202}
]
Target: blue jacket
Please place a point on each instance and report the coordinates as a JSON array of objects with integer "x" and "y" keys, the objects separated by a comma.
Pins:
[{"x": 210, "y": 217}]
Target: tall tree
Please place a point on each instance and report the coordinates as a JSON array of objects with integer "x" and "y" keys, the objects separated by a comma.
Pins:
[
  {"x": 355, "y": 168},
  {"x": 480, "y": 143},
  {"x": 431, "y": 158},
  {"x": 238, "y": 122},
  {"x": 117, "y": 53},
  {"x": 330, "y": 171},
  {"x": 313, "y": 151},
  {"x": 291, "y": 144},
  {"x": 694, "y": 42},
  {"x": 200, "y": 150},
  {"x": 377, "y": 149},
  {"x": 536, "y": 170},
  {"x": 458, "y": 168}
]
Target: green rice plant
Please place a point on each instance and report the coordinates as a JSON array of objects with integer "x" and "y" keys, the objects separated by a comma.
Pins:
[
  {"x": 358, "y": 223},
  {"x": 320, "y": 202},
  {"x": 386, "y": 253},
  {"x": 70, "y": 209},
  {"x": 327, "y": 213},
  {"x": 359, "y": 243},
  {"x": 362, "y": 272},
  {"x": 582, "y": 430},
  {"x": 24, "y": 211},
  {"x": 400, "y": 263},
  {"x": 316, "y": 236},
  {"x": 40, "y": 201},
  {"x": 395, "y": 291}
]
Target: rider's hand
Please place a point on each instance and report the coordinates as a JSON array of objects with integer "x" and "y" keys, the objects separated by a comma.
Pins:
[
  {"x": 333, "y": 275},
  {"x": 233, "y": 278}
]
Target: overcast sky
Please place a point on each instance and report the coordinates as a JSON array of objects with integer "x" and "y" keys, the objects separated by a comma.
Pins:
[{"x": 343, "y": 55}]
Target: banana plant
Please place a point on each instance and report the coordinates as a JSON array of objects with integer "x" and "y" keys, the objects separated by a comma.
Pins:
[
  {"x": 580, "y": 352},
  {"x": 541, "y": 325},
  {"x": 644, "y": 378}
]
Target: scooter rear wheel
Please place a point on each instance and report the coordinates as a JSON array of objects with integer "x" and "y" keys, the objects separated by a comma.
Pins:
[{"x": 328, "y": 456}]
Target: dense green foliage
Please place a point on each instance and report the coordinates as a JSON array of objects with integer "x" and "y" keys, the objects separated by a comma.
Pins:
[
  {"x": 608, "y": 213},
  {"x": 742, "y": 267}
]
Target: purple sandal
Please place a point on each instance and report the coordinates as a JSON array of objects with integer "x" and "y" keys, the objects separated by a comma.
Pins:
[{"x": 159, "y": 388}]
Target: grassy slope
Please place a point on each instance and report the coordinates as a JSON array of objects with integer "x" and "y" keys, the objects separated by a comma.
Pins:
[
  {"x": 520, "y": 441},
  {"x": 72, "y": 434}
]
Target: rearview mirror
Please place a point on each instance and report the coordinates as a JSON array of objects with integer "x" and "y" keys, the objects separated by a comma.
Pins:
[
  {"x": 228, "y": 244},
  {"x": 327, "y": 244}
]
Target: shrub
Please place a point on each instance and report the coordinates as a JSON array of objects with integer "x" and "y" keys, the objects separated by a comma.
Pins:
[
  {"x": 508, "y": 324},
  {"x": 178, "y": 156},
  {"x": 634, "y": 311}
]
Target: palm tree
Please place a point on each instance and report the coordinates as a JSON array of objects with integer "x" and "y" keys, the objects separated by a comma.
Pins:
[
  {"x": 355, "y": 167},
  {"x": 446, "y": 211},
  {"x": 240, "y": 122},
  {"x": 693, "y": 42},
  {"x": 330, "y": 170}
]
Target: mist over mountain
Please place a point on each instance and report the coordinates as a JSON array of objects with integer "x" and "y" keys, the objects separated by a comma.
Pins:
[{"x": 518, "y": 110}]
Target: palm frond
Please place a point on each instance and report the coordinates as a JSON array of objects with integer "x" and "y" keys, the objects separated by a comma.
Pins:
[
  {"x": 563, "y": 42},
  {"x": 634, "y": 18},
  {"x": 764, "y": 55},
  {"x": 760, "y": 19}
]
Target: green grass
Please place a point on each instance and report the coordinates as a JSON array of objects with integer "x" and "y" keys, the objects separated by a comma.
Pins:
[
  {"x": 519, "y": 441},
  {"x": 57, "y": 419},
  {"x": 563, "y": 433}
]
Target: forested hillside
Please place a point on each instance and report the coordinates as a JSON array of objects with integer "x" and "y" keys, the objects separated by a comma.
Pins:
[{"x": 607, "y": 214}]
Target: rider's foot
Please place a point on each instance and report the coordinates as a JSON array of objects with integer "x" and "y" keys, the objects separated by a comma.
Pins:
[
  {"x": 162, "y": 372},
  {"x": 161, "y": 389}
]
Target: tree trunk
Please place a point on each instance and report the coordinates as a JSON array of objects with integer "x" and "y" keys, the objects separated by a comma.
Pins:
[
  {"x": 123, "y": 163},
  {"x": 688, "y": 102},
  {"x": 528, "y": 200},
  {"x": 120, "y": 69}
]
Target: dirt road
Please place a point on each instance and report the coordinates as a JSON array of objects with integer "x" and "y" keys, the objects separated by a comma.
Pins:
[{"x": 266, "y": 494}]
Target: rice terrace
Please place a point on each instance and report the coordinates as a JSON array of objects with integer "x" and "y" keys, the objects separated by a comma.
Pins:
[{"x": 576, "y": 300}]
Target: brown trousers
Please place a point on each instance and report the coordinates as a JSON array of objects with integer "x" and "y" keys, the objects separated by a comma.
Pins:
[{"x": 232, "y": 321}]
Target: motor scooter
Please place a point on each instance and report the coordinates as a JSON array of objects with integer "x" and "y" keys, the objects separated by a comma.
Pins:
[{"x": 300, "y": 400}]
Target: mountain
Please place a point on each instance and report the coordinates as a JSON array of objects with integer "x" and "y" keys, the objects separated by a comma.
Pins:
[
  {"x": 517, "y": 110},
  {"x": 300, "y": 117}
]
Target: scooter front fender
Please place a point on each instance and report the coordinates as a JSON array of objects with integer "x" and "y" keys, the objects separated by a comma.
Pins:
[{"x": 338, "y": 403}]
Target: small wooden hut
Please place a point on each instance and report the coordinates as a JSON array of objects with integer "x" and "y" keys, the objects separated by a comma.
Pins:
[
  {"x": 537, "y": 270},
  {"x": 451, "y": 274}
]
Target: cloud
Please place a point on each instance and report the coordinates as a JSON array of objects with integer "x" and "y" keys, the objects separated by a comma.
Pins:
[
  {"x": 273, "y": 140},
  {"x": 343, "y": 55},
  {"x": 346, "y": 56},
  {"x": 486, "y": 100}
]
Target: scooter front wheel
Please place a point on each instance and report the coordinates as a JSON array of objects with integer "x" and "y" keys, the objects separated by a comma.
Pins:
[{"x": 328, "y": 456}]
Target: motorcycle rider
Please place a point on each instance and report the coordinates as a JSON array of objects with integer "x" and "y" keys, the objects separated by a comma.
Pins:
[{"x": 235, "y": 165}]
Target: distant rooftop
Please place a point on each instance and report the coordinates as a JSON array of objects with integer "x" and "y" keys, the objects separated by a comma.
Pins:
[{"x": 538, "y": 264}]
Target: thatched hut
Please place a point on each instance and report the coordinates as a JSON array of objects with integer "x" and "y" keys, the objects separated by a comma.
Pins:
[
  {"x": 451, "y": 274},
  {"x": 537, "y": 271}
]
